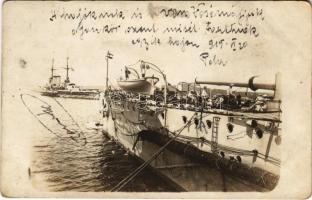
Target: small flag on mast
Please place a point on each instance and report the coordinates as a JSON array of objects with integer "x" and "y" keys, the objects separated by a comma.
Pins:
[{"x": 109, "y": 55}]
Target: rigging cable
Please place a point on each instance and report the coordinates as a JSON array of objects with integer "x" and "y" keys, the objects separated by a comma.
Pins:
[{"x": 131, "y": 176}]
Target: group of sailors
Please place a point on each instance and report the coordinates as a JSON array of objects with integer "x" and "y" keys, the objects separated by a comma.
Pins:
[{"x": 229, "y": 101}]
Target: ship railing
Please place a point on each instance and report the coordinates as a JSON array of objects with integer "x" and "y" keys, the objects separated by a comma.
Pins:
[{"x": 206, "y": 104}]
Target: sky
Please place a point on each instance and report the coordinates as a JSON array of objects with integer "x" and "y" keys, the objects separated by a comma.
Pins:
[{"x": 31, "y": 41}]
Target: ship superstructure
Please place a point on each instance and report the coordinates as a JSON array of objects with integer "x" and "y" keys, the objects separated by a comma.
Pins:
[{"x": 187, "y": 136}]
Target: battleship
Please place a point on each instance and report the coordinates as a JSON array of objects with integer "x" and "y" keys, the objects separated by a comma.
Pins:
[
  {"x": 186, "y": 133},
  {"x": 67, "y": 89}
]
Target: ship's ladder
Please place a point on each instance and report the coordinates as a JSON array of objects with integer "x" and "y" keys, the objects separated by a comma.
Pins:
[{"x": 214, "y": 135}]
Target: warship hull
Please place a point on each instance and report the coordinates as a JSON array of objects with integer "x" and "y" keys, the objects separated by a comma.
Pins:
[
  {"x": 72, "y": 94},
  {"x": 197, "y": 159}
]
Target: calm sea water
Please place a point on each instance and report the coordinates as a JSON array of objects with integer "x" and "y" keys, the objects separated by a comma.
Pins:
[{"x": 98, "y": 164}]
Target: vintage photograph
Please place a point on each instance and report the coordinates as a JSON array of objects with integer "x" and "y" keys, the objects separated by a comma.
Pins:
[{"x": 154, "y": 97}]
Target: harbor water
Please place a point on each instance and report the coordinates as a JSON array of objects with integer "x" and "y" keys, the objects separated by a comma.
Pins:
[{"x": 98, "y": 164}]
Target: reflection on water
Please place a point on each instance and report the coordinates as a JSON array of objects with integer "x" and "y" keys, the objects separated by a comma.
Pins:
[{"x": 66, "y": 165}]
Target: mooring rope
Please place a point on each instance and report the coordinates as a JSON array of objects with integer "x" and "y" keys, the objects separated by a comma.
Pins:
[{"x": 131, "y": 176}]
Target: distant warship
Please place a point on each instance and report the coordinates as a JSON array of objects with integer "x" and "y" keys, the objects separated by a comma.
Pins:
[
  {"x": 185, "y": 135},
  {"x": 66, "y": 89}
]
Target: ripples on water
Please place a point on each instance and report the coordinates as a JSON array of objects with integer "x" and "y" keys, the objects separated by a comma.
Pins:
[{"x": 99, "y": 165}]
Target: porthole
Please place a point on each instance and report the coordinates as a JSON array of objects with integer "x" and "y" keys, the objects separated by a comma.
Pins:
[
  {"x": 254, "y": 123},
  {"x": 255, "y": 155},
  {"x": 163, "y": 115},
  {"x": 239, "y": 159},
  {"x": 230, "y": 127},
  {"x": 184, "y": 119},
  {"x": 259, "y": 133},
  {"x": 196, "y": 121},
  {"x": 208, "y": 122}
]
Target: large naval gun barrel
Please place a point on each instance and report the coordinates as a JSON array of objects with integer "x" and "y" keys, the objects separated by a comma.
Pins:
[
  {"x": 252, "y": 84},
  {"x": 273, "y": 105}
]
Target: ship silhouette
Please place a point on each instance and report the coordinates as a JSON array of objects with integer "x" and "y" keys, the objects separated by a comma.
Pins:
[{"x": 67, "y": 89}]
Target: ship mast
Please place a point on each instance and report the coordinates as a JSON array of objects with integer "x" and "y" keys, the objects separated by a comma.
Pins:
[
  {"x": 67, "y": 68},
  {"x": 108, "y": 56},
  {"x": 52, "y": 70}
]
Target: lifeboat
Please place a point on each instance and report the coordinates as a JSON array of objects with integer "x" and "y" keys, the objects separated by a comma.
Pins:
[{"x": 142, "y": 85}]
